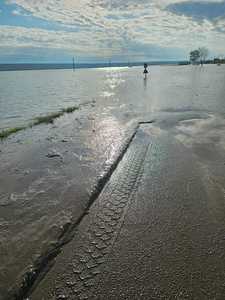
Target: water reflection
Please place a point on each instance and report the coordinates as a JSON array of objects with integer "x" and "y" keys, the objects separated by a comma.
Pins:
[{"x": 145, "y": 80}]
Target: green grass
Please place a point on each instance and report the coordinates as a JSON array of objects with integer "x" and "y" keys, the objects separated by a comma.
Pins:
[
  {"x": 48, "y": 119},
  {"x": 7, "y": 132}
]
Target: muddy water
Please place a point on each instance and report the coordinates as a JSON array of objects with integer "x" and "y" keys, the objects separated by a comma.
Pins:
[{"x": 47, "y": 173}]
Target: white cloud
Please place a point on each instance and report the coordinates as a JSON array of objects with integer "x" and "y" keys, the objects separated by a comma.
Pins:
[
  {"x": 12, "y": 36},
  {"x": 106, "y": 27},
  {"x": 16, "y": 12}
]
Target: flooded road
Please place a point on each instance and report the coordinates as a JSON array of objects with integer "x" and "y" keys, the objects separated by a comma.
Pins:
[
  {"x": 155, "y": 232},
  {"x": 49, "y": 172}
]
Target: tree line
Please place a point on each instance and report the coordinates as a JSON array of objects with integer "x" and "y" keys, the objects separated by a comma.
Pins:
[{"x": 200, "y": 55}]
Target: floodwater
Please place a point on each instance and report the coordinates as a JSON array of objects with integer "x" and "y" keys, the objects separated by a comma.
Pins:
[
  {"x": 25, "y": 95},
  {"x": 47, "y": 172}
]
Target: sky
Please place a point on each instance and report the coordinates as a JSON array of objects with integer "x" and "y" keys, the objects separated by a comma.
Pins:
[{"x": 36, "y": 31}]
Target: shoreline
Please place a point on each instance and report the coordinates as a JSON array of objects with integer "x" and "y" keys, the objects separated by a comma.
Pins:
[{"x": 68, "y": 66}]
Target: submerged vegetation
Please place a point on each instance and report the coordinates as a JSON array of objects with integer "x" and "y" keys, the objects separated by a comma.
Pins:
[
  {"x": 69, "y": 110},
  {"x": 51, "y": 117},
  {"x": 48, "y": 119},
  {"x": 5, "y": 133}
]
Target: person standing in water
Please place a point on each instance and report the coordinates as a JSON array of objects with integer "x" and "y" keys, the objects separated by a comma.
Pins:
[{"x": 145, "y": 71}]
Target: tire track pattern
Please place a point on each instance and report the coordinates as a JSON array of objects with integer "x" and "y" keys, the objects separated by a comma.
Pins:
[{"x": 104, "y": 225}]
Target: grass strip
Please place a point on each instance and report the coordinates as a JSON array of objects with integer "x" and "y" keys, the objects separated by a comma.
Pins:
[
  {"x": 51, "y": 117},
  {"x": 48, "y": 119},
  {"x": 5, "y": 133}
]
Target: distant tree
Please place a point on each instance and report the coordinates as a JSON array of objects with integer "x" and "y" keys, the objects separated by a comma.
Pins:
[
  {"x": 203, "y": 54},
  {"x": 220, "y": 59},
  {"x": 217, "y": 60},
  {"x": 194, "y": 56}
]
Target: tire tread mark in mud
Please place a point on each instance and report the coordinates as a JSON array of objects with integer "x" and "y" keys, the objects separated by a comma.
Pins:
[{"x": 104, "y": 227}]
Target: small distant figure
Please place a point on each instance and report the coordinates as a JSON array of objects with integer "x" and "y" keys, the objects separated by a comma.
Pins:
[{"x": 145, "y": 71}]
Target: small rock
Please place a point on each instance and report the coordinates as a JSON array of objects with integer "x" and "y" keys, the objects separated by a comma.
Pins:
[
  {"x": 53, "y": 154},
  {"x": 64, "y": 141}
]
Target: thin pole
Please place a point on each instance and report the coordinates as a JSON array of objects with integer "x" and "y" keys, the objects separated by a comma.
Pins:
[{"x": 73, "y": 64}]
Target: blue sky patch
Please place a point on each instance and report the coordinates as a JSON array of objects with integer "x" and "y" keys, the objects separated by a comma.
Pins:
[
  {"x": 199, "y": 10},
  {"x": 14, "y": 15}
]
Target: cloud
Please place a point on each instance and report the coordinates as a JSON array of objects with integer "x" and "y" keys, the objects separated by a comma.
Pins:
[
  {"x": 117, "y": 28},
  {"x": 12, "y": 36},
  {"x": 31, "y": 54}
]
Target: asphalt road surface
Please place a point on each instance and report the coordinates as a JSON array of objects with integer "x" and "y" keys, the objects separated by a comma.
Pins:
[{"x": 155, "y": 232}]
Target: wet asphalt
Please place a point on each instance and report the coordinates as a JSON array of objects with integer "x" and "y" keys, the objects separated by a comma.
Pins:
[
  {"x": 155, "y": 232},
  {"x": 156, "y": 228}
]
